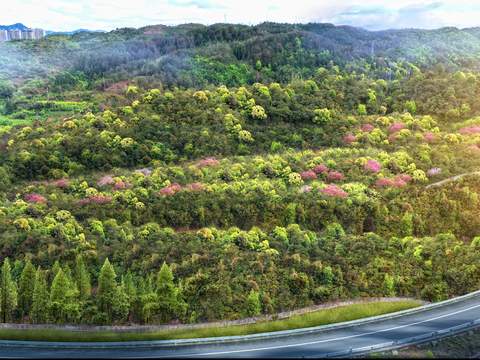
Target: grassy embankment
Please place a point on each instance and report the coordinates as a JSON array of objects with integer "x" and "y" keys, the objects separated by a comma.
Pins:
[{"x": 321, "y": 317}]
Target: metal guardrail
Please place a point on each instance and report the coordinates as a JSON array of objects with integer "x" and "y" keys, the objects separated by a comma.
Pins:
[
  {"x": 232, "y": 339},
  {"x": 414, "y": 340}
]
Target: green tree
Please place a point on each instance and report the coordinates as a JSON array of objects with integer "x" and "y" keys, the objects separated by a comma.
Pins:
[
  {"x": 8, "y": 292},
  {"x": 169, "y": 303},
  {"x": 106, "y": 289},
  {"x": 411, "y": 107},
  {"x": 131, "y": 291},
  {"x": 253, "y": 305},
  {"x": 40, "y": 304},
  {"x": 26, "y": 287},
  {"x": 362, "y": 109},
  {"x": 82, "y": 278},
  {"x": 121, "y": 304},
  {"x": 64, "y": 305}
]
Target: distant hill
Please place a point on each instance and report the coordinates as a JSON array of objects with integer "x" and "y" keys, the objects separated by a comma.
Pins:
[
  {"x": 232, "y": 54},
  {"x": 17, "y": 26},
  {"x": 73, "y": 32}
]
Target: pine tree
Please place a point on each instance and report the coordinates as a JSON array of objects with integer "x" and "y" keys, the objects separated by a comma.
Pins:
[
  {"x": 53, "y": 271},
  {"x": 131, "y": 291},
  {"x": 106, "y": 289},
  {"x": 58, "y": 294},
  {"x": 40, "y": 304},
  {"x": 82, "y": 278},
  {"x": 64, "y": 306},
  {"x": 26, "y": 287},
  {"x": 121, "y": 304},
  {"x": 8, "y": 291},
  {"x": 168, "y": 302}
]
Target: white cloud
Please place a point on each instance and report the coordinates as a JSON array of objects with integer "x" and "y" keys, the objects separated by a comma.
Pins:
[{"x": 110, "y": 14}]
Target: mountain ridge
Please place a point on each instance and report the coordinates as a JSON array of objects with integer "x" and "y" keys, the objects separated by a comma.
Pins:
[{"x": 16, "y": 26}]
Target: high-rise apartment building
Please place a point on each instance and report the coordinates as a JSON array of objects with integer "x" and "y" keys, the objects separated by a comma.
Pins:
[
  {"x": 16, "y": 34},
  {"x": 4, "y": 35}
]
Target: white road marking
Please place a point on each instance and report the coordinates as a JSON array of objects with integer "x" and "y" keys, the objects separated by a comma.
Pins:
[{"x": 325, "y": 340}]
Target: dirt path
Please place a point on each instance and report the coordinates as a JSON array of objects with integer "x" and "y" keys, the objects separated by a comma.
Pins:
[{"x": 450, "y": 179}]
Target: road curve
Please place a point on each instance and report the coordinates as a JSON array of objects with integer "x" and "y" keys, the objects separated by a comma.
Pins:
[{"x": 377, "y": 333}]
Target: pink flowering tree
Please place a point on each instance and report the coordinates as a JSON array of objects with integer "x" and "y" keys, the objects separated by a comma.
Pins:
[
  {"x": 333, "y": 190},
  {"x": 373, "y": 166},
  {"x": 170, "y": 190},
  {"x": 96, "y": 199},
  {"x": 61, "y": 183},
  {"x": 196, "y": 186},
  {"x": 429, "y": 137},
  {"x": 308, "y": 175},
  {"x": 320, "y": 169},
  {"x": 305, "y": 189},
  {"x": 209, "y": 161},
  {"x": 396, "y": 127},
  {"x": 121, "y": 185},
  {"x": 335, "y": 175},
  {"x": 470, "y": 130},
  {"x": 106, "y": 180},
  {"x": 398, "y": 181},
  {"x": 349, "y": 138},
  {"x": 35, "y": 198},
  {"x": 367, "y": 128},
  {"x": 384, "y": 182}
]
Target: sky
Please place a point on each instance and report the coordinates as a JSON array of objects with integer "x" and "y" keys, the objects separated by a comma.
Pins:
[{"x": 65, "y": 15}]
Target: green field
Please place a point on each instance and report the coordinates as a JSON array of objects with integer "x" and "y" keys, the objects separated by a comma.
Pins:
[{"x": 321, "y": 317}]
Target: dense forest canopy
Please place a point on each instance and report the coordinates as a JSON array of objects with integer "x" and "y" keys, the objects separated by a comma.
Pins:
[{"x": 198, "y": 172}]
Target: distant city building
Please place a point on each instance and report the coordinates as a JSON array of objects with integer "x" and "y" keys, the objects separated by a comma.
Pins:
[
  {"x": 15, "y": 34},
  {"x": 28, "y": 34},
  {"x": 38, "y": 33}
]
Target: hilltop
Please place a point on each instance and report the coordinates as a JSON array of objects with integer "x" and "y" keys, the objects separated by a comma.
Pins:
[
  {"x": 194, "y": 54},
  {"x": 17, "y": 26}
]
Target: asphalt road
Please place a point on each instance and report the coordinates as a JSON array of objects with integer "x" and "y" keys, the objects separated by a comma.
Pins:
[{"x": 319, "y": 344}]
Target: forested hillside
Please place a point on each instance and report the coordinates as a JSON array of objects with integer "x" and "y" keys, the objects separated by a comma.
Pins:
[{"x": 197, "y": 173}]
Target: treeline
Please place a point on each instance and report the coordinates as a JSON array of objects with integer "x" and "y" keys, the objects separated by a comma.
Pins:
[
  {"x": 60, "y": 295},
  {"x": 266, "y": 52},
  {"x": 245, "y": 275}
]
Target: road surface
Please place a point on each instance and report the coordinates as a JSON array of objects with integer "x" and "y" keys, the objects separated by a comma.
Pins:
[{"x": 301, "y": 343}]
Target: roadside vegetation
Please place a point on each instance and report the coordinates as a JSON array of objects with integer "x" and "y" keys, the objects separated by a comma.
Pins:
[
  {"x": 317, "y": 318},
  {"x": 460, "y": 346}
]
